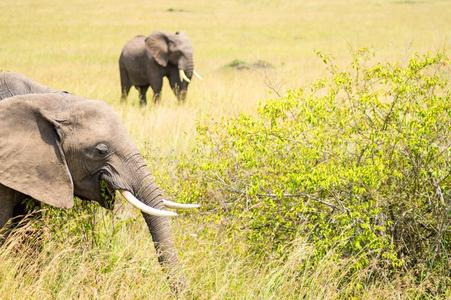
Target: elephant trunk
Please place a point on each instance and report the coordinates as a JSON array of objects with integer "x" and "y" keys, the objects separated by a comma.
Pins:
[
  {"x": 186, "y": 69},
  {"x": 189, "y": 69},
  {"x": 160, "y": 230},
  {"x": 186, "y": 64}
]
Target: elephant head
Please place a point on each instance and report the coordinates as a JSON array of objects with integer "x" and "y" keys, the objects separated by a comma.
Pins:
[
  {"x": 55, "y": 146},
  {"x": 176, "y": 50}
]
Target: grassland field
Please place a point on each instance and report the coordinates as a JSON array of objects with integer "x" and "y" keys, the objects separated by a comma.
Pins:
[{"x": 74, "y": 45}]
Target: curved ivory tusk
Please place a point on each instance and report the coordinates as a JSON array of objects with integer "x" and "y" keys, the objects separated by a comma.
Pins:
[
  {"x": 172, "y": 204},
  {"x": 197, "y": 75},
  {"x": 144, "y": 207},
  {"x": 183, "y": 75}
]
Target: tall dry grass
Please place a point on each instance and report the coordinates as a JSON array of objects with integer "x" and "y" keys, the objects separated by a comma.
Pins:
[{"x": 113, "y": 260}]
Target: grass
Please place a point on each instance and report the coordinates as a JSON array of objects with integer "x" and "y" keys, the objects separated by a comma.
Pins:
[
  {"x": 75, "y": 45},
  {"x": 113, "y": 261}
]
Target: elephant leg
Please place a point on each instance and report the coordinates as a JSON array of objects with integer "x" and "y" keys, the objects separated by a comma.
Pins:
[
  {"x": 6, "y": 211},
  {"x": 156, "y": 97},
  {"x": 19, "y": 219},
  {"x": 181, "y": 96},
  {"x": 24, "y": 208},
  {"x": 177, "y": 91},
  {"x": 142, "y": 94},
  {"x": 7, "y": 204},
  {"x": 14, "y": 212},
  {"x": 125, "y": 91},
  {"x": 125, "y": 82},
  {"x": 176, "y": 86},
  {"x": 156, "y": 85}
]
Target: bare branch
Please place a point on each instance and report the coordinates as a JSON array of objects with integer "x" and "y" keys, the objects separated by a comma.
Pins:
[
  {"x": 270, "y": 83},
  {"x": 286, "y": 195},
  {"x": 228, "y": 188}
]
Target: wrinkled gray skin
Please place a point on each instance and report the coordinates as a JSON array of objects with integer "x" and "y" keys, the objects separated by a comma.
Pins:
[
  {"x": 145, "y": 61},
  {"x": 12, "y": 84},
  {"x": 54, "y": 146}
]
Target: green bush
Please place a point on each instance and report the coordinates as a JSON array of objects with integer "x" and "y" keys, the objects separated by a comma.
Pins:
[{"x": 359, "y": 162}]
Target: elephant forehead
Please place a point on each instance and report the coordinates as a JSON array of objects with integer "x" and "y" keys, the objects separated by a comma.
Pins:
[
  {"x": 89, "y": 135},
  {"x": 185, "y": 45},
  {"x": 101, "y": 128},
  {"x": 96, "y": 112},
  {"x": 98, "y": 120}
]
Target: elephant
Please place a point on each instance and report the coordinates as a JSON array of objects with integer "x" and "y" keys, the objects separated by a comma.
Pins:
[
  {"x": 54, "y": 146},
  {"x": 12, "y": 84},
  {"x": 144, "y": 61}
]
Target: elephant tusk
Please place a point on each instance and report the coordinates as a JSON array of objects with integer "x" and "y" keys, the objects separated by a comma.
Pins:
[
  {"x": 172, "y": 204},
  {"x": 197, "y": 75},
  {"x": 144, "y": 207},
  {"x": 183, "y": 75}
]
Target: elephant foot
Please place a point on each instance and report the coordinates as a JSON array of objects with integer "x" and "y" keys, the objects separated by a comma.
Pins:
[
  {"x": 181, "y": 96},
  {"x": 178, "y": 284},
  {"x": 156, "y": 98}
]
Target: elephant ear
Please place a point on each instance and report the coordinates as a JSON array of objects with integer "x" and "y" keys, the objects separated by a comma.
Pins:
[
  {"x": 31, "y": 158},
  {"x": 157, "y": 43}
]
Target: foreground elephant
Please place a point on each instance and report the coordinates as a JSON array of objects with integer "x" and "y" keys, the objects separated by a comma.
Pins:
[
  {"x": 145, "y": 61},
  {"x": 54, "y": 146},
  {"x": 12, "y": 84}
]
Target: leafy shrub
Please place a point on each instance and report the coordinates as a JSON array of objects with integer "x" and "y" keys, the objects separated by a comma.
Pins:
[{"x": 358, "y": 162}]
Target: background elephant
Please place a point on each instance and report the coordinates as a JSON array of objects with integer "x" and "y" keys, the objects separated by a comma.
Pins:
[
  {"x": 12, "y": 84},
  {"x": 57, "y": 145},
  {"x": 144, "y": 61}
]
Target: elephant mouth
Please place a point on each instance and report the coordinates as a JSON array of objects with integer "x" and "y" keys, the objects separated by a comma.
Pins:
[{"x": 107, "y": 194}]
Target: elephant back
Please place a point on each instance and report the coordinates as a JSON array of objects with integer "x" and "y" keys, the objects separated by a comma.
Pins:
[
  {"x": 5, "y": 91},
  {"x": 12, "y": 84}
]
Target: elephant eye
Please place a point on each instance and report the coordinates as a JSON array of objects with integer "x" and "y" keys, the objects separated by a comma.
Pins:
[{"x": 102, "y": 149}]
